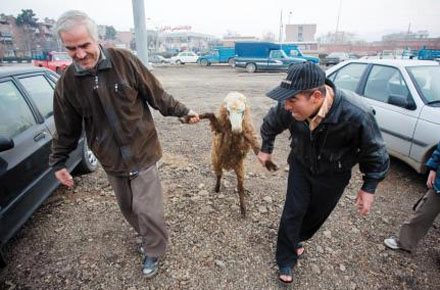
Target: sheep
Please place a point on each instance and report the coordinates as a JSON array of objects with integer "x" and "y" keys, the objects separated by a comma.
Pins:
[{"x": 233, "y": 136}]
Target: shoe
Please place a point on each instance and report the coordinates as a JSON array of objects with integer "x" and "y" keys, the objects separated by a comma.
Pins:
[
  {"x": 392, "y": 243},
  {"x": 286, "y": 271},
  {"x": 151, "y": 265}
]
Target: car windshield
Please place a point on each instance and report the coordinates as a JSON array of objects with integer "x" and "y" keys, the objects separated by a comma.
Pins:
[
  {"x": 61, "y": 56},
  {"x": 427, "y": 81}
]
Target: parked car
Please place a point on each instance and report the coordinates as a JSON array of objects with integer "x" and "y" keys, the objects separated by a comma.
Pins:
[
  {"x": 56, "y": 61},
  {"x": 405, "y": 96},
  {"x": 26, "y": 131},
  {"x": 256, "y": 55},
  {"x": 184, "y": 57},
  {"x": 158, "y": 59},
  {"x": 335, "y": 58},
  {"x": 218, "y": 54}
]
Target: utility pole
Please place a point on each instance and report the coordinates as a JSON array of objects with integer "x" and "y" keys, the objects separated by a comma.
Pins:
[
  {"x": 337, "y": 22},
  {"x": 140, "y": 31},
  {"x": 281, "y": 27}
]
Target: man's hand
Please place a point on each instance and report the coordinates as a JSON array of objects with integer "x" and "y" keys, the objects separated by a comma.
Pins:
[
  {"x": 64, "y": 177},
  {"x": 364, "y": 201},
  {"x": 431, "y": 177},
  {"x": 194, "y": 117},
  {"x": 263, "y": 157}
]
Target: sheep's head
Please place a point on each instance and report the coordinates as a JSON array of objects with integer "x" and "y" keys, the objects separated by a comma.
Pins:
[{"x": 235, "y": 104}]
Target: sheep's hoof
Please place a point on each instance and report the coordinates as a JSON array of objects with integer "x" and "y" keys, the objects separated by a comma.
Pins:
[
  {"x": 271, "y": 166},
  {"x": 217, "y": 189},
  {"x": 243, "y": 212}
]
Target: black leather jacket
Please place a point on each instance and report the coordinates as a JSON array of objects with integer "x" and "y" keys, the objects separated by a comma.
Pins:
[{"x": 348, "y": 135}]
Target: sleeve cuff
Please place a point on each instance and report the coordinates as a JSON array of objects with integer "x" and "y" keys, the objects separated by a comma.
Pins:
[
  {"x": 59, "y": 166},
  {"x": 370, "y": 185},
  {"x": 266, "y": 147}
]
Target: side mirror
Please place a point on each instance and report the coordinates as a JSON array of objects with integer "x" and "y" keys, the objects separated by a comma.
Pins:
[
  {"x": 401, "y": 101},
  {"x": 6, "y": 143}
]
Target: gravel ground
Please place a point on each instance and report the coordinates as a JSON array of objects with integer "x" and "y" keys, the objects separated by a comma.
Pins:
[{"x": 78, "y": 239}]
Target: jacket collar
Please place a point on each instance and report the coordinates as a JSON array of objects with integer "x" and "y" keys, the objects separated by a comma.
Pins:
[
  {"x": 335, "y": 111},
  {"x": 103, "y": 64}
]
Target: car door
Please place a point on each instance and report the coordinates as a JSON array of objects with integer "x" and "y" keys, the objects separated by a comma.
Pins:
[
  {"x": 40, "y": 89},
  {"x": 192, "y": 57},
  {"x": 349, "y": 77},
  {"x": 397, "y": 123},
  {"x": 275, "y": 60},
  {"x": 27, "y": 161}
]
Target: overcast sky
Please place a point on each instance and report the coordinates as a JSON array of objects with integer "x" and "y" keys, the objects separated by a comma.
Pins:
[{"x": 368, "y": 19}]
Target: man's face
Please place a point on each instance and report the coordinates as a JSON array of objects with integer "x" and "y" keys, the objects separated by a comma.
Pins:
[
  {"x": 81, "y": 47},
  {"x": 302, "y": 106}
]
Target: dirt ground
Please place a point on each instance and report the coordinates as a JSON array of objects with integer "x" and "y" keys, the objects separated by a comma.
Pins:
[{"x": 78, "y": 239}]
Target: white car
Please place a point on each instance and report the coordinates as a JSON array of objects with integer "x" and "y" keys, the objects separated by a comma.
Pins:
[
  {"x": 184, "y": 57},
  {"x": 405, "y": 97}
]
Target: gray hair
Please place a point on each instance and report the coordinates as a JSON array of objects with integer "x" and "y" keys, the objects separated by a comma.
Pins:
[{"x": 72, "y": 18}]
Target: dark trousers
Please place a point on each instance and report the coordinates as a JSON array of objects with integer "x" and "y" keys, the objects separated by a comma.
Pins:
[{"x": 309, "y": 201}]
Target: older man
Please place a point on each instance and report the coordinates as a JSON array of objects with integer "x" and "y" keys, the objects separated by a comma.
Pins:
[{"x": 108, "y": 90}]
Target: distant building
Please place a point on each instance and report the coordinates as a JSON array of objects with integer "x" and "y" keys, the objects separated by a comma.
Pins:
[
  {"x": 45, "y": 35},
  {"x": 185, "y": 40},
  {"x": 6, "y": 43},
  {"x": 300, "y": 32},
  {"x": 229, "y": 41},
  {"x": 404, "y": 36}
]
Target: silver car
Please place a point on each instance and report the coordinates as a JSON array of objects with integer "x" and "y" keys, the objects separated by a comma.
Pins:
[{"x": 405, "y": 96}]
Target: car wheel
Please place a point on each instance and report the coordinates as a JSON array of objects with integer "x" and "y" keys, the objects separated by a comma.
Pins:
[
  {"x": 88, "y": 163},
  {"x": 179, "y": 61},
  {"x": 251, "y": 67},
  {"x": 204, "y": 62},
  {"x": 231, "y": 62}
]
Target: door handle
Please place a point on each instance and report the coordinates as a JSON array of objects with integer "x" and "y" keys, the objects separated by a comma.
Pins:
[{"x": 40, "y": 136}]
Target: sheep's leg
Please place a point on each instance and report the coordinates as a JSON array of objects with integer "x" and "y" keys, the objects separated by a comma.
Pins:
[
  {"x": 215, "y": 124},
  {"x": 218, "y": 174},
  {"x": 252, "y": 140},
  {"x": 239, "y": 171}
]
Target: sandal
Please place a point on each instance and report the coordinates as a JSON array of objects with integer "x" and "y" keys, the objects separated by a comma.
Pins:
[
  {"x": 299, "y": 250},
  {"x": 286, "y": 271}
]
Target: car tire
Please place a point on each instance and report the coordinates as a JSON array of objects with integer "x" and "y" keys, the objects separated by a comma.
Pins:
[
  {"x": 231, "y": 62},
  {"x": 88, "y": 163},
  {"x": 179, "y": 61},
  {"x": 204, "y": 62},
  {"x": 251, "y": 67}
]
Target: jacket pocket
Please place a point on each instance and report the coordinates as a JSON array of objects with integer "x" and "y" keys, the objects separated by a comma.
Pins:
[{"x": 125, "y": 92}]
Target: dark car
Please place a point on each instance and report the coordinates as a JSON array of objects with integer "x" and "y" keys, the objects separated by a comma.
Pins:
[
  {"x": 26, "y": 131},
  {"x": 335, "y": 58}
]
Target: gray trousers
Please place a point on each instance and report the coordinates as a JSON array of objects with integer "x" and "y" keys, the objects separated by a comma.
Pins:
[
  {"x": 418, "y": 225},
  {"x": 140, "y": 200}
]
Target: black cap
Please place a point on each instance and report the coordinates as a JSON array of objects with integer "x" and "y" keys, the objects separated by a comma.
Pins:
[{"x": 300, "y": 77}]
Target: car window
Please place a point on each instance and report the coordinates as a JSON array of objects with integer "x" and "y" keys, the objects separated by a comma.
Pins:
[
  {"x": 427, "y": 80},
  {"x": 276, "y": 54},
  {"x": 294, "y": 52},
  {"x": 41, "y": 92},
  {"x": 384, "y": 81},
  {"x": 349, "y": 76},
  {"x": 15, "y": 114}
]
